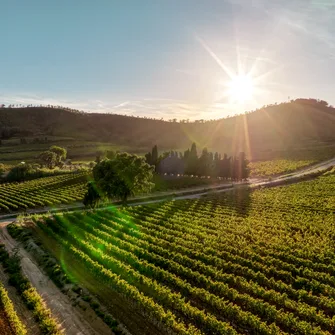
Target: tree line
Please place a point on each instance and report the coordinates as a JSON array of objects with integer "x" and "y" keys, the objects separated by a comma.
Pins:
[{"x": 206, "y": 164}]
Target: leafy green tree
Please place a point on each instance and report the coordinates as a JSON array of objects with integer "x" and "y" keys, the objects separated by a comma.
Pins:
[
  {"x": 92, "y": 196},
  {"x": 123, "y": 176},
  {"x": 59, "y": 152},
  {"x": 49, "y": 159},
  {"x": 110, "y": 154}
]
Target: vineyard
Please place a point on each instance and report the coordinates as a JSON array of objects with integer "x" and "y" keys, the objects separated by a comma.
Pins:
[
  {"x": 70, "y": 187},
  {"x": 259, "y": 262},
  {"x": 42, "y": 192},
  {"x": 276, "y": 167},
  {"x": 290, "y": 161},
  {"x": 10, "y": 324}
]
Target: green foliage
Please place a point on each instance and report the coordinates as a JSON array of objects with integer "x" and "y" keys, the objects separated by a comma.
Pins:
[
  {"x": 20, "y": 172},
  {"x": 122, "y": 176},
  {"x": 2, "y": 169},
  {"x": 49, "y": 159},
  {"x": 148, "y": 158},
  {"x": 15, "y": 322},
  {"x": 208, "y": 164},
  {"x": 92, "y": 196},
  {"x": 257, "y": 262},
  {"x": 23, "y": 172},
  {"x": 154, "y": 155},
  {"x": 48, "y": 191},
  {"x": 276, "y": 167},
  {"x": 30, "y": 296},
  {"x": 60, "y": 153},
  {"x": 191, "y": 163},
  {"x": 58, "y": 275},
  {"x": 330, "y": 172}
]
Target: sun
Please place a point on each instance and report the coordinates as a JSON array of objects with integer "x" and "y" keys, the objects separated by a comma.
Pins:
[{"x": 240, "y": 88}]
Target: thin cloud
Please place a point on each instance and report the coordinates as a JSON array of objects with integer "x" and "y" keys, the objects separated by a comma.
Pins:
[
  {"x": 147, "y": 107},
  {"x": 122, "y": 104}
]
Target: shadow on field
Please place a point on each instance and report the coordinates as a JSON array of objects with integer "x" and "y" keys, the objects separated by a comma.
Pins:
[{"x": 238, "y": 201}]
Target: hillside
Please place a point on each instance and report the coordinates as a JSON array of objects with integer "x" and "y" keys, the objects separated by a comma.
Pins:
[{"x": 304, "y": 123}]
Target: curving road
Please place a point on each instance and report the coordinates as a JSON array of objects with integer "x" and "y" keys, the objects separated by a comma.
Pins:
[{"x": 194, "y": 192}]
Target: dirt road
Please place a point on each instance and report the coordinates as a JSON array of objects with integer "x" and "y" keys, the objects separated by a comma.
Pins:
[
  {"x": 195, "y": 192},
  {"x": 74, "y": 320}
]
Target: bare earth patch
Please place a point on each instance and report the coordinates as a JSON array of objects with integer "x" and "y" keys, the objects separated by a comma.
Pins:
[{"x": 5, "y": 327}]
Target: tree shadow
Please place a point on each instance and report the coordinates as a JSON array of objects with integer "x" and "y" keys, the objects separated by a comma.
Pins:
[{"x": 237, "y": 200}]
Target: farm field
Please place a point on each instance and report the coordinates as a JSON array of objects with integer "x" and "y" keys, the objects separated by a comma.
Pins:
[
  {"x": 178, "y": 183},
  {"x": 47, "y": 191},
  {"x": 276, "y": 167},
  {"x": 71, "y": 187},
  {"x": 13, "y": 152},
  {"x": 258, "y": 262},
  {"x": 291, "y": 161},
  {"x": 10, "y": 324}
]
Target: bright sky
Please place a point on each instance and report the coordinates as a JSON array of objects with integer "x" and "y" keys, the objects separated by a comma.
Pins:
[{"x": 165, "y": 58}]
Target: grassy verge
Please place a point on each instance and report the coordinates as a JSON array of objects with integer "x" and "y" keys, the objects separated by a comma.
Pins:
[
  {"x": 15, "y": 322},
  {"x": 30, "y": 296}
]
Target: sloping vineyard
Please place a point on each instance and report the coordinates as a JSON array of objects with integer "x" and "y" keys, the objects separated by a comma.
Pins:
[
  {"x": 41, "y": 192},
  {"x": 259, "y": 262},
  {"x": 276, "y": 167},
  {"x": 290, "y": 161}
]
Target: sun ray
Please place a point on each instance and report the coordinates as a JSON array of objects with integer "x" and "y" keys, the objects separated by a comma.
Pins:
[{"x": 215, "y": 57}]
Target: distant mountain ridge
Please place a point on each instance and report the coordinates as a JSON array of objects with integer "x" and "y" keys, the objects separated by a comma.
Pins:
[{"x": 303, "y": 122}]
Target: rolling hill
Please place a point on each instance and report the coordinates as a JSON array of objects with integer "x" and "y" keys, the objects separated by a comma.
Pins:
[{"x": 303, "y": 124}]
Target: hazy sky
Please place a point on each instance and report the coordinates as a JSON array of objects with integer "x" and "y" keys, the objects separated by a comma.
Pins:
[{"x": 164, "y": 58}]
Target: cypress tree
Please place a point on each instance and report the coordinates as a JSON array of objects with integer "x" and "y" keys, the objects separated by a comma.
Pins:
[{"x": 154, "y": 155}]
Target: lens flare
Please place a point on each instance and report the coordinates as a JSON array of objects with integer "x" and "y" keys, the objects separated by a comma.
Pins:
[{"x": 241, "y": 88}]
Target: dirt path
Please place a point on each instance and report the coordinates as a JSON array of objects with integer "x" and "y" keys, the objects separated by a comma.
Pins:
[{"x": 74, "y": 320}]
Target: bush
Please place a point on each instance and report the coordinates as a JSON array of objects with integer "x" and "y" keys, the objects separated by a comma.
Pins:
[{"x": 23, "y": 172}]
